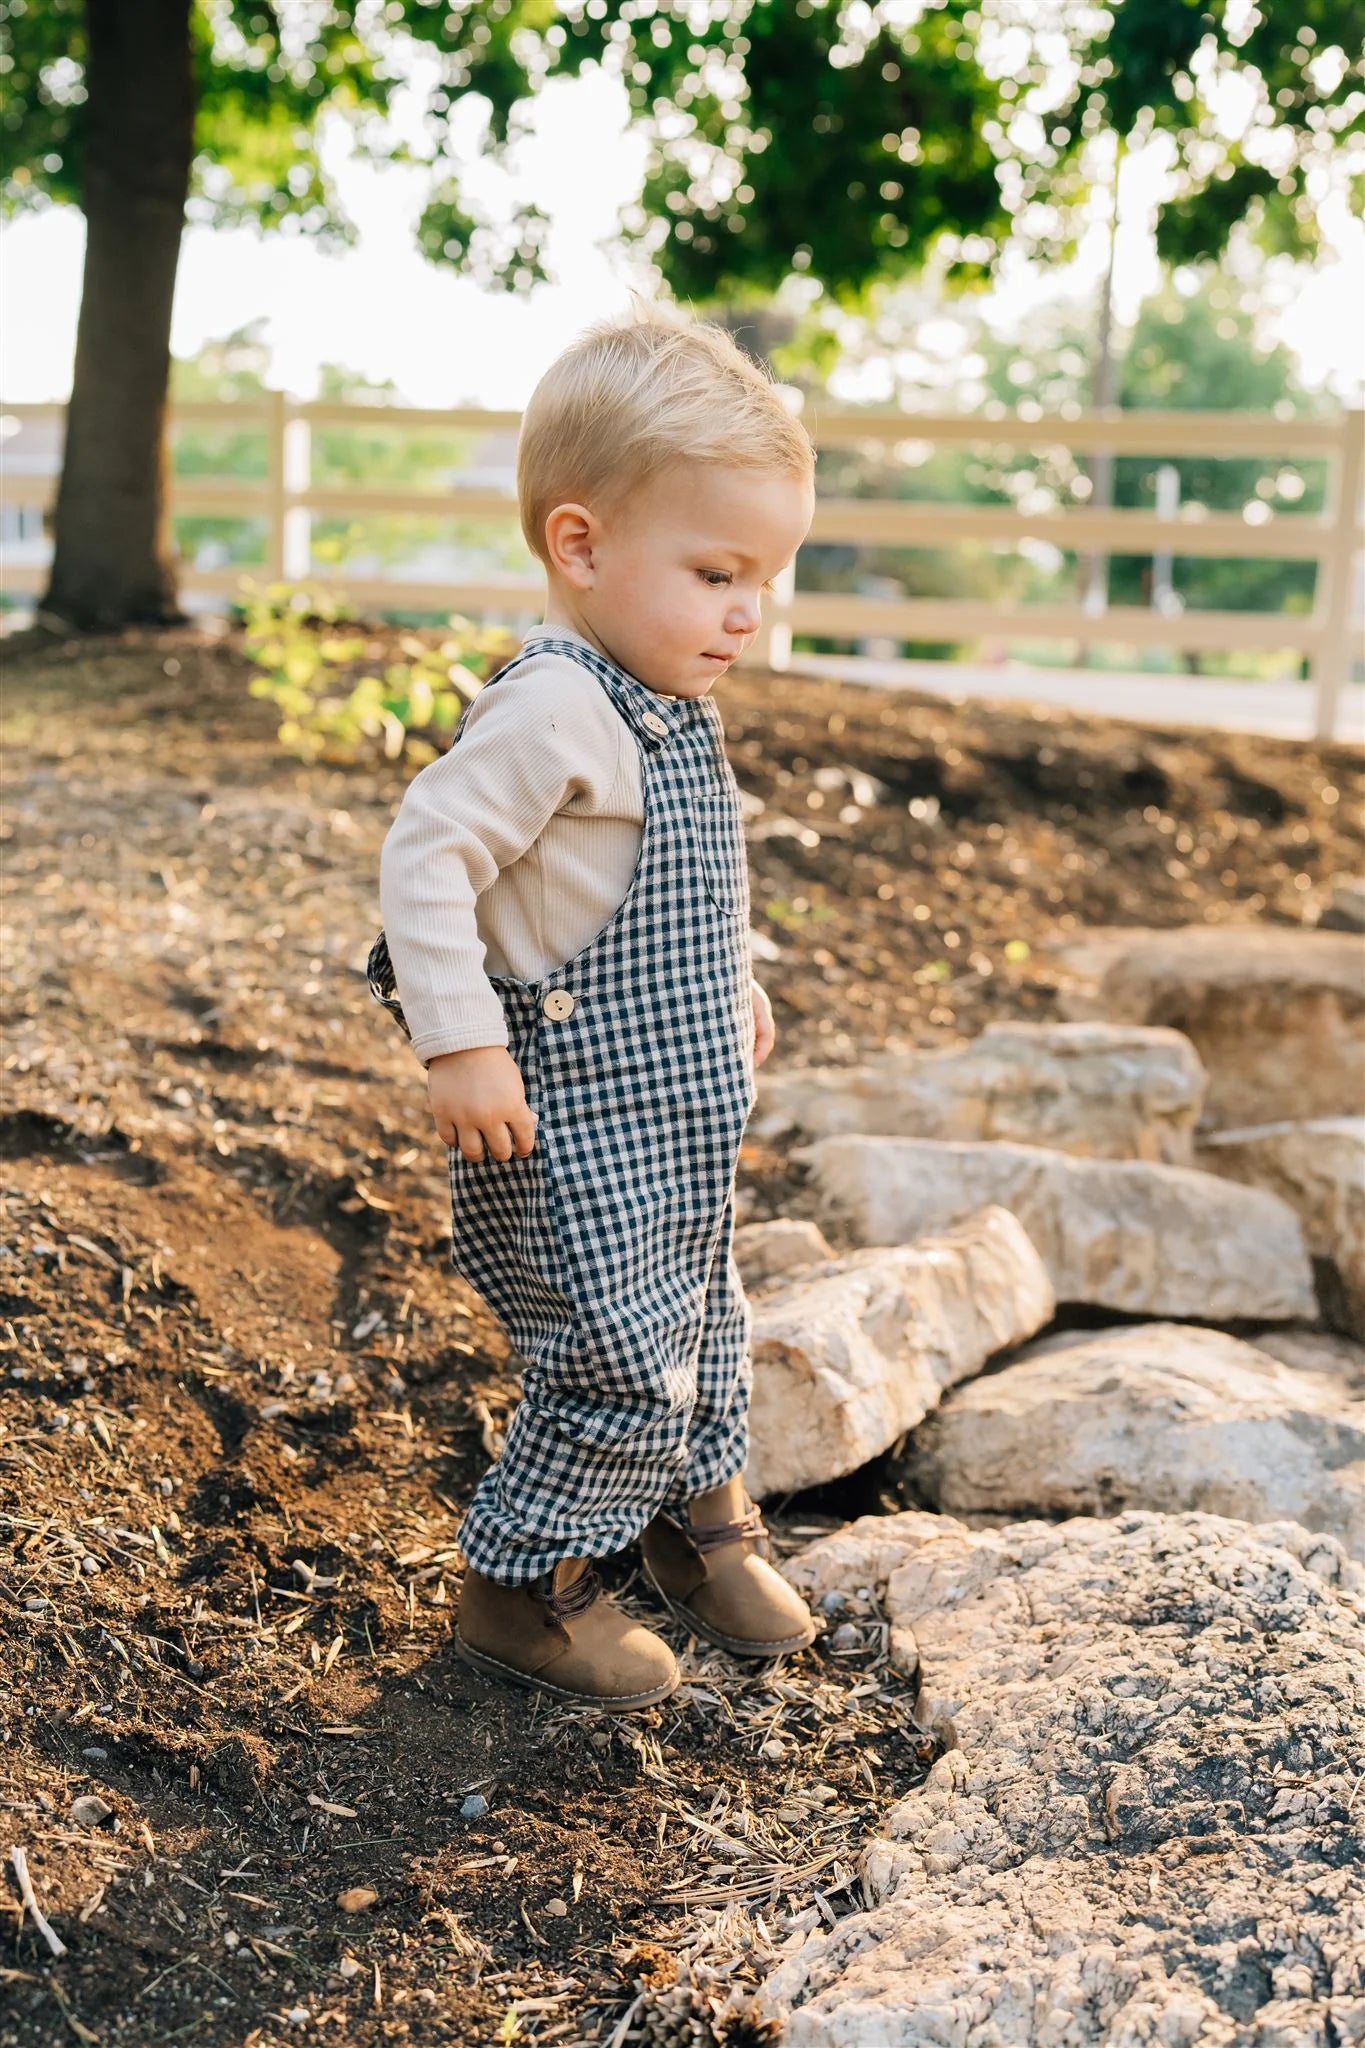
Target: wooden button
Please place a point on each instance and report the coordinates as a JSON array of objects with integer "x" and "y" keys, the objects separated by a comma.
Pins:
[{"x": 558, "y": 1005}]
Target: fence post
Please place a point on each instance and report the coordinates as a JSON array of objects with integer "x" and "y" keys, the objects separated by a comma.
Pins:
[
  {"x": 274, "y": 461},
  {"x": 771, "y": 646},
  {"x": 298, "y": 520},
  {"x": 1336, "y": 575}
]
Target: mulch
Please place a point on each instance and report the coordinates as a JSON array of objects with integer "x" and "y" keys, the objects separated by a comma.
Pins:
[{"x": 242, "y": 1398}]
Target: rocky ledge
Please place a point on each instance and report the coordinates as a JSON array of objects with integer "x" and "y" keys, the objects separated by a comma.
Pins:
[{"x": 1146, "y": 1825}]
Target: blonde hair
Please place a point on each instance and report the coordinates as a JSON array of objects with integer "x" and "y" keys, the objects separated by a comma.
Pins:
[{"x": 634, "y": 394}]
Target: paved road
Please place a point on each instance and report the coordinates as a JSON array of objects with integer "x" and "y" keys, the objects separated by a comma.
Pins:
[{"x": 1282, "y": 710}]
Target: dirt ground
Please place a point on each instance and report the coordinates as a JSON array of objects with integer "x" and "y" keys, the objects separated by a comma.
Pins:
[{"x": 244, "y": 1400}]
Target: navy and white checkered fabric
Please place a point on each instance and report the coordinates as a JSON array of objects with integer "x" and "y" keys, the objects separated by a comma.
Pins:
[{"x": 607, "y": 1252}]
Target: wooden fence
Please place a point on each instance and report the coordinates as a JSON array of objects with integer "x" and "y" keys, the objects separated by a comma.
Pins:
[{"x": 286, "y": 499}]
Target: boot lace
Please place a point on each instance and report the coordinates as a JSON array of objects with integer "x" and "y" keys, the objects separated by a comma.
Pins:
[
  {"x": 747, "y": 1527},
  {"x": 575, "y": 1599}
]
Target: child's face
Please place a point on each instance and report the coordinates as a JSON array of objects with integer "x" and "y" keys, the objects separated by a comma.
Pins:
[{"x": 670, "y": 582}]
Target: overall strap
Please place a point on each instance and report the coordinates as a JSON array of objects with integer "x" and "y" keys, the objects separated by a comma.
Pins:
[{"x": 653, "y": 719}]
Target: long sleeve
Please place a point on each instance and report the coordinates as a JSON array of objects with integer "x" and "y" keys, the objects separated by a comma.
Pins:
[{"x": 545, "y": 741}]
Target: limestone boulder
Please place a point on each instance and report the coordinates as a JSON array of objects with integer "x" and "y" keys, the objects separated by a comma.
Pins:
[
  {"x": 1152, "y": 1415},
  {"x": 765, "y": 1251},
  {"x": 1106, "y": 1091},
  {"x": 848, "y": 1358},
  {"x": 1122, "y": 1234},
  {"x": 1149, "y": 1830},
  {"x": 1319, "y": 1169},
  {"x": 1276, "y": 1013},
  {"x": 1326, "y": 1352}
]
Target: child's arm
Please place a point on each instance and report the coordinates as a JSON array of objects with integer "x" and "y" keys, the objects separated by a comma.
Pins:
[
  {"x": 530, "y": 745},
  {"x": 765, "y": 1026}
]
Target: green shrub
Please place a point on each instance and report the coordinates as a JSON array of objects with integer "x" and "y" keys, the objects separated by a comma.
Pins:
[{"x": 341, "y": 691}]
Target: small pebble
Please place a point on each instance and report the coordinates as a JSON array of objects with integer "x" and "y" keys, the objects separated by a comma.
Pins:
[
  {"x": 35, "y": 1604},
  {"x": 231, "y": 1937},
  {"x": 90, "y": 1566},
  {"x": 774, "y": 1750},
  {"x": 833, "y": 1603},
  {"x": 348, "y": 1967},
  {"x": 557, "y": 1909},
  {"x": 298, "y": 2015},
  {"x": 845, "y": 1637},
  {"x": 473, "y": 1808},
  {"x": 90, "y": 1811},
  {"x": 166, "y": 1485},
  {"x": 96, "y": 1754}
]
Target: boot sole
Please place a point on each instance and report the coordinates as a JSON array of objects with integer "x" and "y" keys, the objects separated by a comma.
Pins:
[
  {"x": 612, "y": 1703},
  {"x": 738, "y": 1646}
]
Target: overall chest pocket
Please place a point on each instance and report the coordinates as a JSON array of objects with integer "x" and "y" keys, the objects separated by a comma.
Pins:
[{"x": 724, "y": 854}]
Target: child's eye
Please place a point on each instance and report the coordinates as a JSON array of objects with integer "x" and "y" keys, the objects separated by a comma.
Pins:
[{"x": 715, "y": 578}]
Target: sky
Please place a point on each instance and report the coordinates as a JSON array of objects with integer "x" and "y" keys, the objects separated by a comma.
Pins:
[{"x": 381, "y": 309}]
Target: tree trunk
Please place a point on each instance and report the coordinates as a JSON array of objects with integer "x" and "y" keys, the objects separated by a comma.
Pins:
[{"x": 113, "y": 564}]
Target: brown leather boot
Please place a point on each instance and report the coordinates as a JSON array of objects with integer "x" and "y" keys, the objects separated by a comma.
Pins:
[
  {"x": 710, "y": 1568},
  {"x": 559, "y": 1636}
]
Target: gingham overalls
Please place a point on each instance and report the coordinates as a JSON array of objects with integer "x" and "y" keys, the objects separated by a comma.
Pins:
[{"x": 607, "y": 1251}]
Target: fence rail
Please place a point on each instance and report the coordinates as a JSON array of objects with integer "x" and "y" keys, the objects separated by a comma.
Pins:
[{"x": 286, "y": 499}]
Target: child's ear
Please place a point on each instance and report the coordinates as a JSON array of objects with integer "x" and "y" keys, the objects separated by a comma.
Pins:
[{"x": 570, "y": 531}]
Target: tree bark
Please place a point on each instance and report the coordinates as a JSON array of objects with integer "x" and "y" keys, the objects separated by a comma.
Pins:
[{"x": 113, "y": 564}]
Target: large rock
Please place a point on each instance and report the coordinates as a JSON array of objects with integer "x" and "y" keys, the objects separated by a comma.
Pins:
[
  {"x": 1319, "y": 1169},
  {"x": 1340, "y": 1359},
  {"x": 1150, "y": 1831},
  {"x": 1277, "y": 1013},
  {"x": 1106, "y": 1091},
  {"x": 848, "y": 1359},
  {"x": 1151, "y": 1415},
  {"x": 765, "y": 1251},
  {"x": 1147, "y": 1240}
]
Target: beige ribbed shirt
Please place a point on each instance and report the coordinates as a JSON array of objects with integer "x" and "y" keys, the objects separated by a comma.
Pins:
[{"x": 510, "y": 852}]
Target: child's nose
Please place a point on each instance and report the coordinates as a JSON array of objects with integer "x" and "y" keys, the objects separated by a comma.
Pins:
[{"x": 743, "y": 615}]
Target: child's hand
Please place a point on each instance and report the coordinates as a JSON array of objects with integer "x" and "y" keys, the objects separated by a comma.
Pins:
[
  {"x": 765, "y": 1029},
  {"x": 478, "y": 1099}
]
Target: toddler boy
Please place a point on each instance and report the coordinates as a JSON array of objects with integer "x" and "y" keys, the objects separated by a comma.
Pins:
[{"x": 566, "y": 910}]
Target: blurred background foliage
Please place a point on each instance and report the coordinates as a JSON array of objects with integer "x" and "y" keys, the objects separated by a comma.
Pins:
[
  {"x": 950, "y": 126},
  {"x": 342, "y": 692},
  {"x": 815, "y": 171},
  {"x": 415, "y": 459},
  {"x": 1195, "y": 345}
]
